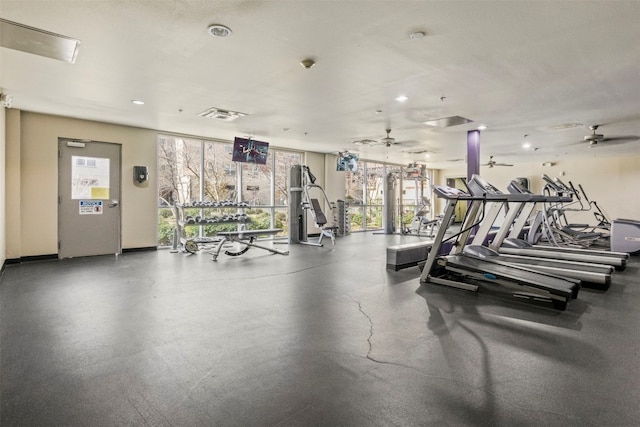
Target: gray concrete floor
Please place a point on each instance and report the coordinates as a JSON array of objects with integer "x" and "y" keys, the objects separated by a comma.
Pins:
[{"x": 325, "y": 336}]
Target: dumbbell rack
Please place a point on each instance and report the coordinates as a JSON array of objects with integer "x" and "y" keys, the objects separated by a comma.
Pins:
[
  {"x": 193, "y": 244},
  {"x": 343, "y": 219}
]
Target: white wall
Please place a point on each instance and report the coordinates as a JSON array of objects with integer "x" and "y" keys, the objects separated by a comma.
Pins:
[{"x": 613, "y": 182}]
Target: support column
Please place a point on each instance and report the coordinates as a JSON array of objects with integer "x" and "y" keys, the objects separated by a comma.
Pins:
[{"x": 473, "y": 153}]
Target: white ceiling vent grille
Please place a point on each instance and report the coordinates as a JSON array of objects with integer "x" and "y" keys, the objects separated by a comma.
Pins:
[
  {"x": 445, "y": 122},
  {"x": 220, "y": 114}
]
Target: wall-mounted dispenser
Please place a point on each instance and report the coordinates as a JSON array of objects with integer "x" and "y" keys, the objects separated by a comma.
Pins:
[{"x": 140, "y": 174}]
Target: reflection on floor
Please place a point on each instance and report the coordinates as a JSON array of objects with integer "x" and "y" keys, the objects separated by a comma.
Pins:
[{"x": 324, "y": 336}]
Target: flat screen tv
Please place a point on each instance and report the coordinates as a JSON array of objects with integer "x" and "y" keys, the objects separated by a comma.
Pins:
[
  {"x": 347, "y": 162},
  {"x": 250, "y": 151}
]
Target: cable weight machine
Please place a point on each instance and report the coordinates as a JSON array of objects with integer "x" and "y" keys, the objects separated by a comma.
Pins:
[{"x": 305, "y": 195}]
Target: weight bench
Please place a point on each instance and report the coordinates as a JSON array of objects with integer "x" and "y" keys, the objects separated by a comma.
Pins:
[
  {"x": 321, "y": 222},
  {"x": 247, "y": 238}
]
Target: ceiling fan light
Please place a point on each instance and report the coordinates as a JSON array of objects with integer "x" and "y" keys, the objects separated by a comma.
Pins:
[{"x": 594, "y": 137}]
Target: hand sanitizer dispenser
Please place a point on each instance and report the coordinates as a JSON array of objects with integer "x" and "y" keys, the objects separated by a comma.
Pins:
[{"x": 140, "y": 174}]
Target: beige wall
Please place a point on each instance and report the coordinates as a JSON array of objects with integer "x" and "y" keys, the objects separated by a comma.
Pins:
[
  {"x": 29, "y": 206},
  {"x": 3, "y": 197},
  {"x": 334, "y": 180},
  {"x": 12, "y": 199},
  {"x": 613, "y": 182},
  {"x": 38, "y": 180}
]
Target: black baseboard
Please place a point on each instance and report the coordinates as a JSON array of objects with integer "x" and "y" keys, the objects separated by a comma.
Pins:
[
  {"x": 144, "y": 249},
  {"x": 50, "y": 257},
  {"x": 32, "y": 258}
]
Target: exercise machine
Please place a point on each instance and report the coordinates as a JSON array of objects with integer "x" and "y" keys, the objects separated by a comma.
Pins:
[
  {"x": 246, "y": 240},
  {"x": 462, "y": 271},
  {"x": 421, "y": 222},
  {"x": 557, "y": 229},
  {"x": 515, "y": 246},
  {"x": 625, "y": 235},
  {"x": 307, "y": 196},
  {"x": 597, "y": 275}
]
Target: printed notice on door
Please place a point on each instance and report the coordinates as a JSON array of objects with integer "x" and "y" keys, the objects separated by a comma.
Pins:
[
  {"x": 91, "y": 207},
  {"x": 89, "y": 178}
]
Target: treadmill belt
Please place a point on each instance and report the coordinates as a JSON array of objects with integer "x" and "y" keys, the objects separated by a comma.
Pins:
[{"x": 523, "y": 276}]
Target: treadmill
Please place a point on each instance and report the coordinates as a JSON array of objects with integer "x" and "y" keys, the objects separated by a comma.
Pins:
[
  {"x": 593, "y": 275},
  {"x": 462, "y": 271},
  {"x": 515, "y": 246}
]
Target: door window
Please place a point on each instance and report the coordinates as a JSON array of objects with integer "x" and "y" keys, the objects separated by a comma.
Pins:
[{"x": 89, "y": 178}]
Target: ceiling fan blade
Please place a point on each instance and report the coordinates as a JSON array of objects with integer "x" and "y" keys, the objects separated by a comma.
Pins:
[
  {"x": 502, "y": 164},
  {"x": 616, "y": 140},
  {"x": 621, "y": 139}
]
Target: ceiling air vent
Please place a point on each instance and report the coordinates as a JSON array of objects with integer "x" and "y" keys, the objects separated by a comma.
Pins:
[
  {"x": 38, "y": 42},
  {"x": 220, "y": 114},
  {"x": 445, "y": 122}
]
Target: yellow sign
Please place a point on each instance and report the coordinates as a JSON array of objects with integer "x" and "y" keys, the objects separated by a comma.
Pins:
[{"x": 99, "y": 192}]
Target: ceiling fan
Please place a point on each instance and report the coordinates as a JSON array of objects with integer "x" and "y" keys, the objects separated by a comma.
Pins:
[
  {"x": 491, "y": 163},
  {"x": 388, "y": 140},
  {"x": 595, "y": 138}
]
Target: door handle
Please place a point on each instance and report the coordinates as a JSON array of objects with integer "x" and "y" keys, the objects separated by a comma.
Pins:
[{"x": 114, "y": 204}]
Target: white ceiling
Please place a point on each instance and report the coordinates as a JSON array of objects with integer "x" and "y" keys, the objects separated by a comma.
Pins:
[{"x": 519, "y": 67}]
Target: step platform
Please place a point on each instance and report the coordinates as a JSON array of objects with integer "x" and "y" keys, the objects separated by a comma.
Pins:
[{"x": 407, "y": 254}]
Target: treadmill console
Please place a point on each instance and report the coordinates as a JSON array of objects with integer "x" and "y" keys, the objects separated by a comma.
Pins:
[
  {"x": 516, "y": 187},
  {"x": 446, "y": 192},
  {"x": 479, "y": 187},
  {"x": 552, "y": 184}
]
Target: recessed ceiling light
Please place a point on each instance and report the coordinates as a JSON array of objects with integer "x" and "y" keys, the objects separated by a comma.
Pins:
[
  {"x": 482, "y": 127},
  {"x": 402, "y": 98},
  {"x": 219, "y": 30},
  {"x": 137, "y": 102},
  {"x": 417, "y": 35},
  {"x": 526, "y": 145}
]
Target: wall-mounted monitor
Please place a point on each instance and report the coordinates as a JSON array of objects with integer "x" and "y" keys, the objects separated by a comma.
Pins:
[
  {"x": 250, "y": 151},
  {"x": 347, "y": 162},
  {"x": 415, "y": 171}
]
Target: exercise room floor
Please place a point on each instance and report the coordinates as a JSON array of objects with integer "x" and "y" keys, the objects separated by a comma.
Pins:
[{"x": 323, "y": 337}]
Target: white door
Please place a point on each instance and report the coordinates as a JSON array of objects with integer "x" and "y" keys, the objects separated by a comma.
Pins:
[{"x": 88, "y": 198}]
